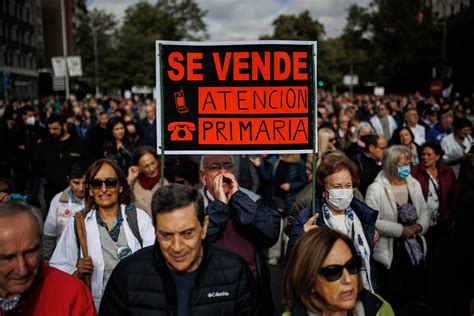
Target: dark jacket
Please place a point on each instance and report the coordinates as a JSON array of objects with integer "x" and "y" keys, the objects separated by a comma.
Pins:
[
  {"x": 295, "y": 176},
  {"x": 149, "y": 132},
  {"x": 371, "y": 303},
  {"x": 254, "y": 221},
  {"x": 448, "y": 188},
  {"x": 55, "y": 158},
  {"x": 366, "y": 215},
  {"x": 142, "y": 285},
  {"x": 368, "y": 170},
  {"x": 29, "y": 136}
]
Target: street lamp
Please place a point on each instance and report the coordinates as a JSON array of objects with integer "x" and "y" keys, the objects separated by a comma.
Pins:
[{"x": 96, "y": 60}]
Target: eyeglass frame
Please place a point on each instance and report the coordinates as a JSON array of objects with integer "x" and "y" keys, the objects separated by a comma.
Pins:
[{"x": 230, "y": 167}]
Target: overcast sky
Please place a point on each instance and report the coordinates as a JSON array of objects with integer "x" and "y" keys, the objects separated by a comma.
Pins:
[{"x": 249, "y": 19}]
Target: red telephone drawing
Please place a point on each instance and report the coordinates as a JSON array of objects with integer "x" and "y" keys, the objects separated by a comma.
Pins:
[
  {"x": 180, "y": 102},
  {"x": 181, "y": 131}
]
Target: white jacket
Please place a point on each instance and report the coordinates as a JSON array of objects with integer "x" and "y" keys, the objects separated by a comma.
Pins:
[
  {"x": 392, "y": 125},
  {"x": 452, "y": 150},
  {"x": 379, "y": 197},
  {"x": 65, "y": 255},
  {"x": 61, "y": 210}
]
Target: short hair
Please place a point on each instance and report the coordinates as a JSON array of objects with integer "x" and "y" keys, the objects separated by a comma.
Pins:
[
  {"x": 174, "y": 196},
  {"x": 54, "y": 117},
  {"x": 26, "y": 108},
  {"x": 461, "y": 123},
  {"x": 184, "y": 167},
  {"x": 201, "y": 162},
  {"x": 126, "y": 197},
  {"x": 396, "y": 135},
  {"x": 370, "y": 140},
  {"x": 15, "y": 207},
  {"x": 408, "y": 110},
  {"x": 141, "y": 151},
  {"x": 305, "y": 263},
  {"x": 78, "y": 170},
  {"x": 391, "y": 156},
  {"x": 332, "y": 163},
  {"x": 362, "y": 126},
  {"x": 435, "y": 146}
]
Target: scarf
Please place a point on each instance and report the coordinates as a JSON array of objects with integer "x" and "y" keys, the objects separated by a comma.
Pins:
[
  {"x": 7, "y": 304},
  {"x": 408, "y": 216},
  {"x": 356, "y": 233},
  {"x": 148, "y": 183}
]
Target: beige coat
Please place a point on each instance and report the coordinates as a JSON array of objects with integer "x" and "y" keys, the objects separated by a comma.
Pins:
[{"x": 143, "y": 197}]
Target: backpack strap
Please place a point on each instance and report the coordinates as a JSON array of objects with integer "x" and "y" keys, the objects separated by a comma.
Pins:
[{"x": 132, "y": 220}]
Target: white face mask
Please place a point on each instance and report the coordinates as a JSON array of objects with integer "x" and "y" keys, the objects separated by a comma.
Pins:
[
  {"x": 353, "y": 129},
  {"x": 339, "y": 199},
  {"x": 30, "y": 120}
]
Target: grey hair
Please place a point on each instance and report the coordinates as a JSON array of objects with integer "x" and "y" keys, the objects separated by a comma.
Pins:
[
  {"x": 408, "y": 110},
  {"x": 391, "y": 156},
  {"x": 14, "y": 207},
  {"x": 363, "y": 125},
  {"x": 201, "y": 162}
]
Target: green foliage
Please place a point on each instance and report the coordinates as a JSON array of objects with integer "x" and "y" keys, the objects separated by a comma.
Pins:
[
  {"x": 144, "y": 23},
  {"x": 105, "y": 26},
  {"x": 296, "y": 27}
]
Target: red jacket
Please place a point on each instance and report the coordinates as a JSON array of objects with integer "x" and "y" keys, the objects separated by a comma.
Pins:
[
  {"x": 55, "y": 293},
  {"x": 448, "y": 187}
]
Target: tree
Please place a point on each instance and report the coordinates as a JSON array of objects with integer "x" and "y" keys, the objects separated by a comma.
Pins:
[
  {"x": 144, "y": 23},
  {"x": 104, "y": 25},
  {"x": 296, "y": 27}
]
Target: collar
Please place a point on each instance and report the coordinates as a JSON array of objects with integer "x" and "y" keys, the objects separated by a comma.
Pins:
[{"x": 208, "y": 195}]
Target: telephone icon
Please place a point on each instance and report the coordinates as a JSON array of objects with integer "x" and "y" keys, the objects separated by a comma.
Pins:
[
  {"x": 181, "y": 131},
  {"x": 180, "y": 102}
]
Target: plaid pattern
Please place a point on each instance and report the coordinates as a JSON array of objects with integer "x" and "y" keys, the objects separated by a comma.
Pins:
[
  {"x": 9, "y": 304},
  {"x": 115, "y": 230}
]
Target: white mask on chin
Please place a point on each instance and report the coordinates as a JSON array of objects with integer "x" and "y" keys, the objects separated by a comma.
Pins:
[
  {"x": 339, "y": 199},
  {"x": 30, "y": 121}
]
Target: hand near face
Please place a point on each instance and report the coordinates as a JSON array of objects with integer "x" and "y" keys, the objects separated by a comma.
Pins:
[
  {"x": 133, "y": 172},
  {"x": 225, "y": 185}
]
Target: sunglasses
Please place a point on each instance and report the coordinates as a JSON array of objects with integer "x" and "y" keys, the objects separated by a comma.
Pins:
[
  {"x": 334, "y": 272},
  {"x": 216, "y": 167},
  {"x": 109, "y": 183},
  {"x": 332, "y": 140}
]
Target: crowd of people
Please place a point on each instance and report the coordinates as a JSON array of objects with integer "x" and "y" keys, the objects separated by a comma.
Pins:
[{"x": 386, "y": 228}]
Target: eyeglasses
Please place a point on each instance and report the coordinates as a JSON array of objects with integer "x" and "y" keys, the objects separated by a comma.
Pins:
[
  {"x": 216, "y": 167},
  {"x": 333, "y": 272},
  {"x": 109, "y": 183}
]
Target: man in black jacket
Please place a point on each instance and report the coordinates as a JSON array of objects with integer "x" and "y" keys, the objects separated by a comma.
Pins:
[
  {"x": 56, "y": 156},
  {"x": 369, "y": 161},
  {"x": 240, "y": 221},
  {"x": 181, "y": 274}
]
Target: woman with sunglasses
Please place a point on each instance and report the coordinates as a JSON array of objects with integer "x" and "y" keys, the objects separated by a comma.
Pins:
[
  {"x": 110, "y": 236},
  {"x": 144, "y": 176},
  {"x": 323, "y": 277},
  {"x": 337, "y": 208},
  {"x": 403, "y": 219}
]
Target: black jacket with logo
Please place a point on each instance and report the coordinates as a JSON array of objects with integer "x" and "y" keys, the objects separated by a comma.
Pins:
[{"x": 142, "y": 285}]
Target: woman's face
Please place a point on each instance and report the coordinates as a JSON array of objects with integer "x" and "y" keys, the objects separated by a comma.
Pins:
[
  {"x": 148, "y": 165},
  {"x": 405, "y": 137},
  {"x": 339, "y": 180},
  {"x": 331, "y": 142},
  {"x": 339, "y": 295},
  {"x": 429, "y": 157},
  {"x": 118, "y": 131}
]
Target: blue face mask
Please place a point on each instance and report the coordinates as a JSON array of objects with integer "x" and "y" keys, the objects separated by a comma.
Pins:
[{"x": 403, "y": 171}]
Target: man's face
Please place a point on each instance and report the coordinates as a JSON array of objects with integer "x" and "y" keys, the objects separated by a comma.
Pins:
[
  {"x": 179, "y": 234},
  {"x": 150, "y": 112},
  {"x": 412, "y": 117},
  {"x": 106, "y": 196},
  {"x": 377, "y": 152},
  {"x": 55, "y": 129},
  {"x": 213, "y": 166},
  {"x": 447, "y": 121},
  {"x": 78, "y": 186},
  {"x": 464, "y": 132},
  {"x": 20, "y": 253},
  {"x": 382, "y": 110},
  {"x": 104, "y": 119}
]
